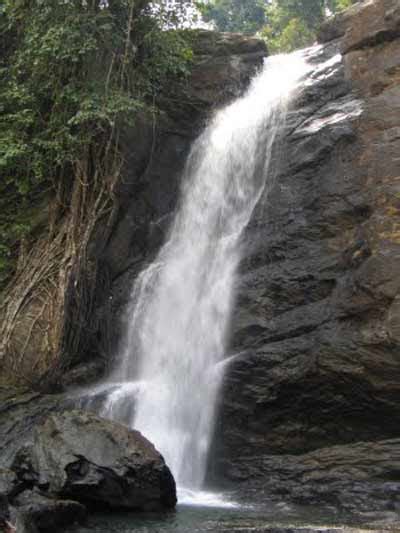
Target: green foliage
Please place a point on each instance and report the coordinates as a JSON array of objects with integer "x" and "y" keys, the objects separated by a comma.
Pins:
[
  {"x": 293, "y": 24},
  {"x": 246, "y": 16},
  {"x": 69, "y": 72},
  {"x": 294, "y": 34},
  {"x": 285, "y": 24},
  {"x": 340, "y": 5}
]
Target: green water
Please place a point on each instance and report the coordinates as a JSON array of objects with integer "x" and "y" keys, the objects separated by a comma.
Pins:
[{"x": 195, "y": 519}]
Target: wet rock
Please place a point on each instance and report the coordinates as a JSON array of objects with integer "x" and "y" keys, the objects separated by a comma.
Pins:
[
  {"x": 83, "y": 374},
  {"x": 212, "y": 43},
  {"x": 220, "y": 57},
  {"x": 309, "y": 529},
  {"x": 35, "y": 512},
  {"x": 23, "y": 523},
  {"x": 317, "y": 314},
  {"x": 20, "y": 413},
  {"x": 362, "y": 478},
  {"x": 79, "y": 456}
]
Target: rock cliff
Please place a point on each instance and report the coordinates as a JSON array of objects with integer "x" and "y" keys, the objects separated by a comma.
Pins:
[{"x": 318, "y": 314}]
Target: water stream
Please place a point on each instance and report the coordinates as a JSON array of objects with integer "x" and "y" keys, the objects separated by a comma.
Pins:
[{"x": 174, "y": 354}]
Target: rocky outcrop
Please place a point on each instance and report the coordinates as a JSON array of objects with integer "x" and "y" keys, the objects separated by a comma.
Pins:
[
  {"x": 317, "y": 317},
  {"x": 224, "y": 64},
  {"x": 361, "y": 478},
  {"x": 77, "y": 455},
  {"x": 365, "y": 25}
]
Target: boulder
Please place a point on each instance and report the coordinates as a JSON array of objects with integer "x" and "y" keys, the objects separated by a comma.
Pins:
[
  {"x": 83, "y": 374},
  {"x": 77, "y": 455}
]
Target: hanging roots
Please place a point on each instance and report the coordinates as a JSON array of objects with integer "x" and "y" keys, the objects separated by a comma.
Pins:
[{"x": 56, "y": 279}]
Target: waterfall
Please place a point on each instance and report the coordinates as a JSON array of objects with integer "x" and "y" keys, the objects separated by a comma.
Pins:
[{"x": 170, "y": 370}]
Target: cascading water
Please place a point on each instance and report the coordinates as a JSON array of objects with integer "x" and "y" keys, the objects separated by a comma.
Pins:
[{"x": 172, "y": 363}]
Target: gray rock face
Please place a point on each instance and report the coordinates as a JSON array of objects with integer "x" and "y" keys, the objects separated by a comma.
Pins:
[
  {"x": 79, "y": 456},
  {"x": 362, "y": 478},
  {"x": 316, "y": 321}
]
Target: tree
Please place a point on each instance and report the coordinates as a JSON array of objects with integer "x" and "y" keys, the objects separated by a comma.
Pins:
[
  {"x": 293, "y": 24},
  {"x": 73, "y": 75},
  {"x": 286, "y": 24},
  {"x": 283, "y": 38},
  {"x": 68, "y": 72},
  {"x": 244, "y": 16},
  {"x": 339, "y": 5}
]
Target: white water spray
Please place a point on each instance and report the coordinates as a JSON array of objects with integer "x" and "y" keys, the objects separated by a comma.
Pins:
[{"x": 181, "y": 304}]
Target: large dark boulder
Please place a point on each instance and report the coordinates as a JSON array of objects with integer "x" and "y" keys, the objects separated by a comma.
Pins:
[{"x": 77, "y": 455}]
